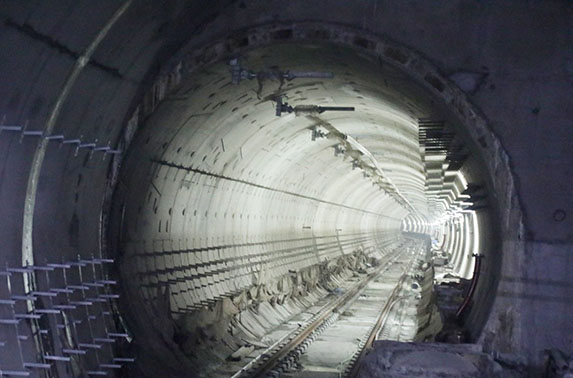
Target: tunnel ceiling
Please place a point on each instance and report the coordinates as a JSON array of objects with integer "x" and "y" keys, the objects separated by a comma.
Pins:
[{"x": 215, "y": 126}]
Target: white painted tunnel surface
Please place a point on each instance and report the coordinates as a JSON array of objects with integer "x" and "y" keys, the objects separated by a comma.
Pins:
[
  {"x": 216, "y": 178},
  {"x": 219, "y": 195}
]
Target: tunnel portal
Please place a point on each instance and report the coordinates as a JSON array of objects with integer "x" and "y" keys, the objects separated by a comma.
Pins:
[{"x": 228, "y": 208}]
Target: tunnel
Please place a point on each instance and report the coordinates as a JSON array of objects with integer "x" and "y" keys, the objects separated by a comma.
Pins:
[
  {"x": 230, "y": 183},
  {"x": 182, "y": 182}
]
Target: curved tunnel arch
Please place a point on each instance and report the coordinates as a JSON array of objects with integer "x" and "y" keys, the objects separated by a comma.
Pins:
[{"x": 234, "y": 200}]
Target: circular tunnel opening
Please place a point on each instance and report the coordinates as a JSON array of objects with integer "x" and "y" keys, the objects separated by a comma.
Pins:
[{"x": 243, "y": 193}]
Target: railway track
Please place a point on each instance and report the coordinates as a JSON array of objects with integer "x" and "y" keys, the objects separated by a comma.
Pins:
[{"x": 338, "y": 335}]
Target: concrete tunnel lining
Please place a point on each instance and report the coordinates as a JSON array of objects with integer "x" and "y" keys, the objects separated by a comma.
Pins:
[
  {"x": 503, "y": 215},
  {"x": 485, "y": 48},
  {"x": 167, "y": 160}
]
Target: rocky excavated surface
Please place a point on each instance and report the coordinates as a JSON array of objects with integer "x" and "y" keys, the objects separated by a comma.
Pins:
[{"x": 390, "y": 359}]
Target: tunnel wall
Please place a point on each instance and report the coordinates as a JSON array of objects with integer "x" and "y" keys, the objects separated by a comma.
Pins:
[
  {"x": 487, "y": 50},
  {"x": 207, "y": 213}
]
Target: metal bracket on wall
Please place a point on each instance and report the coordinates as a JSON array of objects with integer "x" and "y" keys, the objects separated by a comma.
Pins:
[
  {"x": 79, "y": 144},
  {"x": 283, "y": 107},
  {"x": 239, "y": 73}
]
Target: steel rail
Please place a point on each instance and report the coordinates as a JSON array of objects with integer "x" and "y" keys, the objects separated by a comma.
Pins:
[
  {"x": 354, "y": 367},
  {"x": 272, "y": 358},
  {"x": 378, "y": 326}
]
